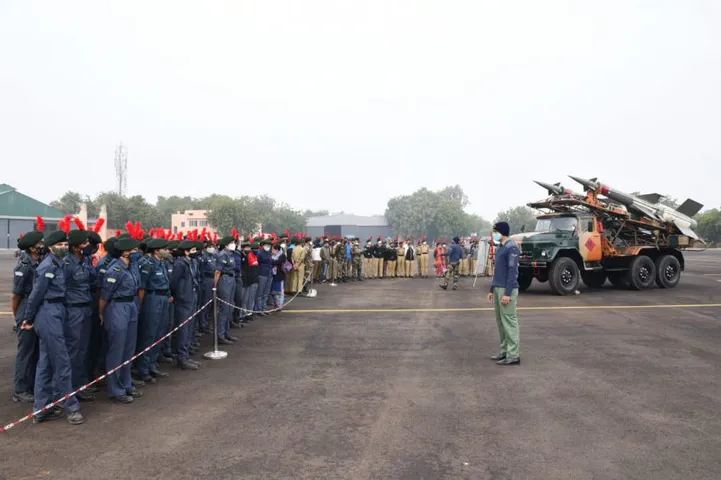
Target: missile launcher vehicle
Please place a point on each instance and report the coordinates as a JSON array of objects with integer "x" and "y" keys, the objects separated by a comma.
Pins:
[{"x": 602, "y": 234}]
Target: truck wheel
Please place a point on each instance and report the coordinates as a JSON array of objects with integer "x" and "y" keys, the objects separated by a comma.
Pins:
[
  {"x": 668, "y": 271},
  {"x": 642, "y": 273},
  {"x": 563, "y": 276},
  {"x": 594, "y": 279},
  {"x": 524, "y": 280},
  {"x": 618, "y": 279}
]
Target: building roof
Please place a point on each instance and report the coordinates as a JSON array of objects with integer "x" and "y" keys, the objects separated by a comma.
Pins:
[
  {"x": 343, "y": 219},
  {"x": 14, "y": 204}
]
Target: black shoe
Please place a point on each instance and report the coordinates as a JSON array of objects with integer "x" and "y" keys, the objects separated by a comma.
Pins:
[
  {"x": 92, "y": 389},
  {"x": 85, "y": 397},
  {"x": 500, "y": 356},
  {"x": 149, "y": 379},
  {"x": 164, "y": 359},
  {"x": 159, "y": 374},
  {"x": 52, "y": 414},
  {"x": 224, "y": 341},
  {"x": 75, "y": 418},
  {"x": 23, "y": 397},
  {"x": 205, "y": 330},
  {"x": 122, "y": 399},
  {"x": 137, "y": 383},
  {"x": 187, "y": 365},
  {"x": 194, "y": 361},
  {"x": 134, "y": 392},
  {"x": 231, "y": 338},
  {"x": 509, "y": 361},
  {"x": 443, "y": 286}
]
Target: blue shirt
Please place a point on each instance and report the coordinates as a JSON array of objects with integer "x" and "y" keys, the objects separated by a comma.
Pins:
[
  {"x": 207, "y": 263},
  {"x": 24, "y": 274},
  {"x": 454, "y": 253},
  {"x": 154, "y": 275},
  {"x": 78, "y": 280},
  {"x": 101, "y": 269},
  {"x": 49, "y": 284},
  {"x": 505, "y": 272},
  {"x": 238, "y": 256},
  {"x": 118, "y": 282},
  {"x": 225, "y": 263},
  {"x": 347, "y": 251},
  {"x": 183, "y": 283}
]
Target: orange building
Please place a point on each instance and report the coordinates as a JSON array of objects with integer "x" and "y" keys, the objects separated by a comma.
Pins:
[{"x": 190, "y": 220}]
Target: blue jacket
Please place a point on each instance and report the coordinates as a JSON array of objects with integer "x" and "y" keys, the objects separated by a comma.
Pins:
[
  {"x": 505, "y": 272},
  {"x": 265, "y": 263},
  {"x": 49, "y": 284},
  {"x": 454, "y": 253}
]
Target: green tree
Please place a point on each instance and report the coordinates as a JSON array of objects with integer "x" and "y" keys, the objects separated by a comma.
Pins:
[
  {"x": 709, "y": 226},
  {"x": 70, "y": 203},
  {"x": 520, "y": 219}
]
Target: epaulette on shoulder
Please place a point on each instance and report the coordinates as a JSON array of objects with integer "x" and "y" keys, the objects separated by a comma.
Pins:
[{"x": 117, "y": 269}]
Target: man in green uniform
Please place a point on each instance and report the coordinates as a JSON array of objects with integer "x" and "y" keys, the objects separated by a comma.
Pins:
[{"x": 504, "y": 293}]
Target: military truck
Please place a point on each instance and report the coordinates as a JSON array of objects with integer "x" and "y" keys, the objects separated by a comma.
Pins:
[{"x": 583, "y": 238}]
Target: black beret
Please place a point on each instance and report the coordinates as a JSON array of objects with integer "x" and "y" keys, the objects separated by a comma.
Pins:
[
  {"x": 30, "y": 239},
  {"x": 186, "y": 245},
  {"x": 226, "y": 240},
  {"x": 58, "y": 236},
  {"x": 125, "y": 244},
  {"x": 245, "y": 244},
  {"x": 77, "y": 237},
  {"x": 123, "y": 235},
  {"x": 156, "y": 243},
  {"x": 173, "y": 244},
  {"x": 254, "y": 246},
  {"x": 94, "y": 238}
]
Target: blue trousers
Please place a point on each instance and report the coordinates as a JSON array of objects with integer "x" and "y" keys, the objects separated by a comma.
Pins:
[
  {"x": 249, "y": 292},
  {"x": 26, "y": 359},
  {"x": 121, "y": 327},
  {"x": 53, "y": 377},
  {"x": 95, "y": 357},
  {"x": 155, "y": 314},
  {"x": 167, "y": 346},
  {"x": 261, "y": 296},
  {"x": 226, "y": 291},
  {"x": 238, "y": 300},
  {"x": 77, "y": 338},
  {"x": 206, "y": 294},
  {"x": 184, "y": 334}
]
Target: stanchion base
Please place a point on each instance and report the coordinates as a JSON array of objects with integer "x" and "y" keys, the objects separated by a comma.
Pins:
[{"x": 216, "y": 355}]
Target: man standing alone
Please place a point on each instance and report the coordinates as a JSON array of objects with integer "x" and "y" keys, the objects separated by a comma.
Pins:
[{"x": 504, "y": 293}]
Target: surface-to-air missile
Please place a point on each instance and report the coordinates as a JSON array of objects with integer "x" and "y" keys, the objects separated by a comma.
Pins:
[
  {"x": 555, "y": 189},
  {"x": 649, "y": 205}
]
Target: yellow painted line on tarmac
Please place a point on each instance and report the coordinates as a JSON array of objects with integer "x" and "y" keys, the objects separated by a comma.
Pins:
[{"x": 490, "y": 309}]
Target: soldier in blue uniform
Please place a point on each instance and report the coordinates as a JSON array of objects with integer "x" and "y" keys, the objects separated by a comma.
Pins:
[
  {"x": 225, "y": 285},
  {"x": 77, "y": 305},
  {"x": 184, "y": 289},
  {"x": 238, "y": 315},
  {"x": 100, "y": 270},
  {"x": 46, "y": 314},
  {"x": 166, "y": 354},
  {"x": 119, "y": 315},
  {"x": 194, "y": 322},
  {"x": 155, "y": 286},
  {"x": 26, "y": 359},
  {"x": 207, "y": 278},
  {"x": 95, "y": 341}
]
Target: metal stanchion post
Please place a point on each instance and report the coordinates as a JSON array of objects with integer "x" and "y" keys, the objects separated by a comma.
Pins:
[{"x": 215, "y": 354}]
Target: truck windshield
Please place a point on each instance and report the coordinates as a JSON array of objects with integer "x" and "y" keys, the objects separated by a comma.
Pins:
[{"x": 564, "y": 224}]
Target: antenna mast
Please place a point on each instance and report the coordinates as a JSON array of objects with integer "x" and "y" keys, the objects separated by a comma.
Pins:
[{"x": 121, "y": 168}]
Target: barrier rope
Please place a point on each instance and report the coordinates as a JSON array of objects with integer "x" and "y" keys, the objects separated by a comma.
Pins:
[
  {"x": 105, "y": 375},
  {"x": 276, "y": 309}
]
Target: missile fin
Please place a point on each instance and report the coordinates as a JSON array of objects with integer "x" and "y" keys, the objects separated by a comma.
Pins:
[
  {"x": 689, "y": 208},
  {"x": 685, "y": 229},
  {"x": 651, "y": 197}
]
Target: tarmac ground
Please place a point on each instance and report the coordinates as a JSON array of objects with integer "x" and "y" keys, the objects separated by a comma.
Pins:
[{"x": 391, "y": 379}]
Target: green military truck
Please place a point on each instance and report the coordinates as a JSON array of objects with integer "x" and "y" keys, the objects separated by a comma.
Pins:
[{"x": 582, "y": 239}]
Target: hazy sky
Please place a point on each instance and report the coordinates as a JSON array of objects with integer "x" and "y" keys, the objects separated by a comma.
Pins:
[{"x": 341, "y": 105}]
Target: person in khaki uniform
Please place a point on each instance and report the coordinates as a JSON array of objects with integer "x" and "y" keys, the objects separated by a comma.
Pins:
[
  {"x": 378, "y": 255},
  {"x": 391, "y": 260},
  {"x": 401, "y": 259},
  {"x": 423, "y": 256},
  {"x": 308, "y": 263},
  {"x": 298, "y": 259},
  {"x": 368, "y": 260}
]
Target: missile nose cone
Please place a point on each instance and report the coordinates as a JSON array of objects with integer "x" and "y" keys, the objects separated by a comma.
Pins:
[{"x": 583, "y": 181}]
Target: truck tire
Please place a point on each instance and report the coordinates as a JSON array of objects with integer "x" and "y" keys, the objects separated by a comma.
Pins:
[
  {"x": 564, "y": 276},
  {"x": 524, "y": 280},
  {"x": 641, "y": 274},
  {"x": 668, "y": 271},
  {"x": 594, "y": 279}
]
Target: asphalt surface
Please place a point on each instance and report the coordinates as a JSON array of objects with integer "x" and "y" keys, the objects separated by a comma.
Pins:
[{"x": 612, "y": 385}]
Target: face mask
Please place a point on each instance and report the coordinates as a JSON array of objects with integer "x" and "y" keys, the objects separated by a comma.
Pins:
[
  {"x": 282, "y": 245},
  {"x": 266, "y": 247},
  {"x": 497, "y": 237},
  {"x": 192, "y": 253},
  {"x": 230, "y": 247},
  {"x": 88, "y": 250},
  {"x": 59, "y": 252},
  {"x": 210, "y": 250}
]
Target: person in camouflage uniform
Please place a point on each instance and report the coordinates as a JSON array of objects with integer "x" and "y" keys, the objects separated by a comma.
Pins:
[{"x": 357, "y": 252}]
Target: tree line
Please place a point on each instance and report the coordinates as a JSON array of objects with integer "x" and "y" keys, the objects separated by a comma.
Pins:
[{"x": 435, "y": 214}]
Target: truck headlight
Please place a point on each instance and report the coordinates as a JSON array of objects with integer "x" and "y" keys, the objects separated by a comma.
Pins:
[{"x": 543, "y": 253}]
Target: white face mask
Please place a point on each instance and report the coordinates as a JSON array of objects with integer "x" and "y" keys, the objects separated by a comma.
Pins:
[
  {"x": 282, "y": 245},
  {"x": 230, "y": 246},
  {"x": 266, "y": 247},
  {"x": 210, "y": 249}
]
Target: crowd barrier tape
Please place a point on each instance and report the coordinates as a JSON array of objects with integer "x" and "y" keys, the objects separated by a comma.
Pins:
[{"x": 160, "y": 340}]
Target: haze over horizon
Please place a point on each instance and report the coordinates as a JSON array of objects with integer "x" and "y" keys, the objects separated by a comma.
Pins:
[{"x": 339, "y": 105}]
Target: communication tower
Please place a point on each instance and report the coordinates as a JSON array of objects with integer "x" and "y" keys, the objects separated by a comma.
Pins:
[{"x": 121, "y": 168}]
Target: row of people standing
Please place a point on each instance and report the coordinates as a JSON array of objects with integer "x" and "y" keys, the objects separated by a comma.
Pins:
[{"x": 76, "y": 320}]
